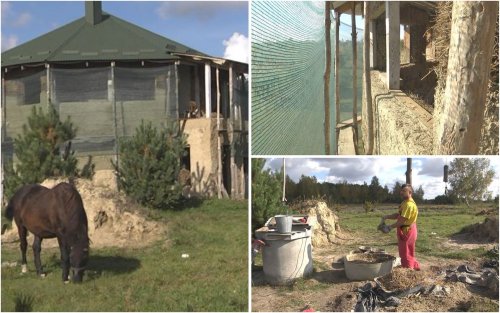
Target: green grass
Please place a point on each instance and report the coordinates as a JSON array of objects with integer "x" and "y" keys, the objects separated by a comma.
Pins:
[
  {"x": 155, "y": 278},
  {"x": 444, "y": 222}
]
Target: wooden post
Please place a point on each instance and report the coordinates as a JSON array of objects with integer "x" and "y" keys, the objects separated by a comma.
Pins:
[
  {"x": 197, "y": 87},
  {"x": 208, "y": 91},
  {"x": 354, "y": 80},
  {"x": 392, "y": 44},
  {"x": 368, "y": 81},
  {"x": 408, "y": 171},
  {"x": 111, "y": 86},
  {"x": 219, "y": 154},
  {"x": 458, "y": 126},
  {"x": 230, "y": 122},
  {"x": 326, "y": 91},
  {"x": 47, "y": 69},
  {"x": 4, "y": 111},
  {"x": 373, "y": 44},
  {"x": 337, "y": 78}
]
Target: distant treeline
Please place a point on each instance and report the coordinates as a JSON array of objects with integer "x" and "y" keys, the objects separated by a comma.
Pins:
[{"x": 346, "y": 193}]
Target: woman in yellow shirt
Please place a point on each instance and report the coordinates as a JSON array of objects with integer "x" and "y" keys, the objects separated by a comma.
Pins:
[{"x": 406, "y": 225}]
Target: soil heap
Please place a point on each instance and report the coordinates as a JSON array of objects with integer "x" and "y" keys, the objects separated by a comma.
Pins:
[
  {"x": 113, "y": 219},
  {"x": 486, "y": 231}
]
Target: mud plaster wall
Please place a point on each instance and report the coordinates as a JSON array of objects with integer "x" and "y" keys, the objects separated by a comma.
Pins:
[
  {"x": 401, "y": 126},
  {"x": 202, "y": 140}
]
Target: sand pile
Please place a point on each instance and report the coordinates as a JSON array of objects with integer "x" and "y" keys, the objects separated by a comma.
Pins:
[
  {"x": 113, "y": 219},
  {"x": 327, "y": 225},
  {"x": 402, "y": 278}
]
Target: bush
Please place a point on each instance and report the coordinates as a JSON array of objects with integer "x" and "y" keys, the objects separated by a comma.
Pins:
[
  {"x": 43, "y": 150},
  {"x": 149, "y": 164}
]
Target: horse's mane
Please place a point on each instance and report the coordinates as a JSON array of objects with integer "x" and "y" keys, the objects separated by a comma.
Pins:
[{"x": 9, "y": 211}]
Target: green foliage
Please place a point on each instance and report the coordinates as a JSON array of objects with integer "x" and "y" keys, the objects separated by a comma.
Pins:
[
  {"x": 266, "y": 194},
  {"x": 469, "y": 178},
  {"x": 149, "y": 165},
  {"x": 43, "y": 150}
]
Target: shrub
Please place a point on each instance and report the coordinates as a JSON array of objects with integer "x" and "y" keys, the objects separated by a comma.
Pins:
[
  {"x": 149, "y": 165},
  {"x": 43, "y": 150}
]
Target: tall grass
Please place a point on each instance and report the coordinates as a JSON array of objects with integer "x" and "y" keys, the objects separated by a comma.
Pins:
[{"x": 213, "y": 278}]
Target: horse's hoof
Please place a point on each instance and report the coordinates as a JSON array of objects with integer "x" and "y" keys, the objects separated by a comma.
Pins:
[
  {"x": 66, "y": 282},
  {"x": 24, "y": 268}
]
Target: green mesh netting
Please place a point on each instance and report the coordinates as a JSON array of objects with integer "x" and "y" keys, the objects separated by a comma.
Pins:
[{"x": 288, "y": 65}]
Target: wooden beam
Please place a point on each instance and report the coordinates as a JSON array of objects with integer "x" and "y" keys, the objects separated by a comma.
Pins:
[
  {"x": 208, "y": 91},
  {"x": 219, "y": 153},
  {"x": 326, "y": 90},
  {"x": 337, "y": 78},
  {"x": 392, "y": 44},
  {"x": 368, "y": 81},
  {"x": 377, "y": 9},
  {"x": 373, "y": 44},
  {"x": 354, "y": 79},
  {"x": 458, "y": 125}
]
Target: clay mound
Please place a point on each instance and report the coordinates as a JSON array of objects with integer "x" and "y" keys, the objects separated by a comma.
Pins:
[
  {"x": 327, "y": 226},
  {"x": 402, "y": 278},
  {"x": 484, "y": 232},
  {"x": 113, "y": 219}
]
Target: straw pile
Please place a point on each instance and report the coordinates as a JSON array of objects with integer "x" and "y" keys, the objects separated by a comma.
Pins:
[{"x": 402, "y": 278}]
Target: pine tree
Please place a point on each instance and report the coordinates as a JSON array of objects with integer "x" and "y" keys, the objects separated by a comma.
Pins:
[
  {"x": 149, "y": 165},
  {"x": 266, "y": 194},
  {"x": 38, "y": 151}
]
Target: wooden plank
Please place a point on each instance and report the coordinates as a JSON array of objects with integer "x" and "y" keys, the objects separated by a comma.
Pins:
[
  {"x": 348, "y": 123},
  {"x": 392, "y": 44}
]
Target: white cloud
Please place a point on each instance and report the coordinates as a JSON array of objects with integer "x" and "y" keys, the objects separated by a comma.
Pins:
[
  {"x": 236, "y": 48},
  {"x": 9, "y": 42},
  {"x": 6, "y": 8},
  {"x": 22, "y": 20},
  {"x": 202, "y": 10}
]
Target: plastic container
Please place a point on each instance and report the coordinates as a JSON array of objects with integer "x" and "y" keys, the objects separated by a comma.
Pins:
[
  {"x": 286, "y": 257},
  {"x": 356, "y": 270},
  {"x": 284, "y": 223}
]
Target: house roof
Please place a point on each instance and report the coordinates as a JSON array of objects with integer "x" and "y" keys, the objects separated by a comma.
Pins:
[{"x": 105, "y": 38}]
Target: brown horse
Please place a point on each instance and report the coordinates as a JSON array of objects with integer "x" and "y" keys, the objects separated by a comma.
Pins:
[{"x": 52, "y": 213}]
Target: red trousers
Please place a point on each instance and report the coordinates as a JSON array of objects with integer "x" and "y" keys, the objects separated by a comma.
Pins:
[{"x": 406, "y": 245}]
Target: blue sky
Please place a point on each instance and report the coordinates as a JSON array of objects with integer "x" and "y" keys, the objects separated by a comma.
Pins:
[
  {"x": 427, "y": 172},
  {"x": 218, "y": 29}
]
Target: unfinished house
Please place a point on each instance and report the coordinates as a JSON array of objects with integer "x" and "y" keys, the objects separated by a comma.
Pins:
[
  {"x": 108, "y": 75},
  {"x": 434, "y": 91}
]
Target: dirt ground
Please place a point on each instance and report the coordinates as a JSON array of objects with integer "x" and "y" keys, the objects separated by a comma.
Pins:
[
  {"x": 114, "y": 220},
  {"x": 329, "y": 289}
]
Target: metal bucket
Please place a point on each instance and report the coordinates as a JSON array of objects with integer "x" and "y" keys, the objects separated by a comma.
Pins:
[{"x": 283, "y": 223}]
